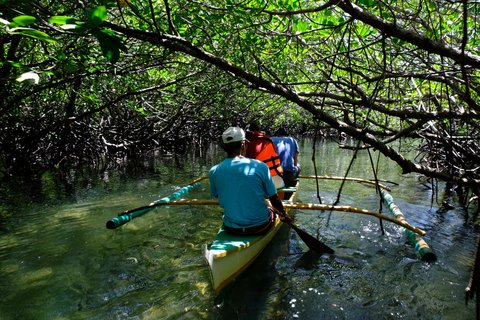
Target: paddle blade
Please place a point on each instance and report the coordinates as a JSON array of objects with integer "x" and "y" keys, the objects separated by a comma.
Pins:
[{"x": 312, "y": 242}]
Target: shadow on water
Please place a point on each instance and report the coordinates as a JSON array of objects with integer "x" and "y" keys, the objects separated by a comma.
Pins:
[{"x": 255, "y": 294}]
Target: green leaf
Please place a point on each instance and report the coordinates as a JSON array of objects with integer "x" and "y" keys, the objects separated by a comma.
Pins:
[
  {"x": 108, "y": 32},
  {"x": 367, "y": 3},
  {"x": 114, "y": 39},
  {"x": 397, "y": 41},
  {"x": 302, "y": 26},
  {"x": 364, "y": 30},
  {"x": 97, "y": 16},
  {"x": 62, "y": 20},
  {"x": 142, "y": 111},
  {"x": 15, "y": 64},
  {"x": 32, "y": 33},
  {"x": 22, "y": 21},
  {"x": 110, "y": 44},
  {"x": 51, "y": 73},
  {"x": 99, "y": 12},
  {"x": 60, "y": 55}
]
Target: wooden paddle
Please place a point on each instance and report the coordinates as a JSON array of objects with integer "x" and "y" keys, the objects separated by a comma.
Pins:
[{"x": 312, "y": 242}]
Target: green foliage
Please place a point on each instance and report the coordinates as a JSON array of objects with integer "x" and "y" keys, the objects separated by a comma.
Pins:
[
  {"x": 19, "y": 24},
  {"x": 110, "y": 43},
  {"x": 343, "y": 66},
  {"x": 367, "y": 3}
]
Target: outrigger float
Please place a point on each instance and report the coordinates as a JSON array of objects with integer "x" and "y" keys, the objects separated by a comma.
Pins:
[{"x": 229, "y": 255}]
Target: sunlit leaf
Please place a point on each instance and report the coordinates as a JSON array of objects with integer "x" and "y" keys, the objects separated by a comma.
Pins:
[
  {"x": 28, "y": 32},
  {"x": 22, "y": 21},
  {"x": 432, "y": 5},
  {"x": 62, "y": 20},
  {"x": 142, "y": 111},
  {"x": 302, "y": 26},
  {"x": 30, "y": 77},
  {"x": 364, "y": 30},
  {"x": 15, "y": 64},
  {"x": 70, "y": 26},
  {"x": 97, "y": 16},
  {"x": 51, "y": 72}
]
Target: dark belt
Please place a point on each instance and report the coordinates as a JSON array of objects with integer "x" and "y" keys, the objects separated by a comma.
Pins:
[{"x": 252, "y": 230}]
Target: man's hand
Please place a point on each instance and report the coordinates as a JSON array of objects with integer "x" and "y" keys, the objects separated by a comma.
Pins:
[{"x": 278, "y": 206}]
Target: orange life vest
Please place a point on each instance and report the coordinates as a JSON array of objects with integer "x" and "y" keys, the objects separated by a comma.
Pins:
[{"x": 261, "y": 147}]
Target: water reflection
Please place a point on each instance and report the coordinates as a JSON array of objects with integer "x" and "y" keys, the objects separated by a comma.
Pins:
[{"x": 59, "y": 262}]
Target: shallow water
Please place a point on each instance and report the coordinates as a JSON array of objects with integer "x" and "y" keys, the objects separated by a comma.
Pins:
[{"x": 58, "y": 261}]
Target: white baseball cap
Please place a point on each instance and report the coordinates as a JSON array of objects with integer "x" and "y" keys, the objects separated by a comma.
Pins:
[{"x": 233, "y": 134}]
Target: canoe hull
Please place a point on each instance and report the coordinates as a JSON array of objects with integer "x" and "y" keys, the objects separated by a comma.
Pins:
[
  {"x": 229, "y": 255},
  {"x": 226, "y": 265}
]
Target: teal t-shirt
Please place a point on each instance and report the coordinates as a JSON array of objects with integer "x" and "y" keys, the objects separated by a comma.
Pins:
[{"x": 241, "y": 185}]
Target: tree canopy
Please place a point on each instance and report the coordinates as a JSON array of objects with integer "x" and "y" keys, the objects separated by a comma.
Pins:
[{"x": 85, "y": 79}]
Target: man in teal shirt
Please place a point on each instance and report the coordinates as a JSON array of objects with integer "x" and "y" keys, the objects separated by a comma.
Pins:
[{"x": 241, "y": 185}]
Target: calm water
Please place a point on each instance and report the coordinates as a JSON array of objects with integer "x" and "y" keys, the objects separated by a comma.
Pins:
[{"x": 58, "y": 261}]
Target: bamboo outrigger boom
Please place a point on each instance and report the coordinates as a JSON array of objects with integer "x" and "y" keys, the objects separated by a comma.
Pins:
[
  {"x": 128, "y": 215},
  {"x": 328, "y": 207},
  {"x": 372, "y": 182},
  {"x": 304, "y": 206}
]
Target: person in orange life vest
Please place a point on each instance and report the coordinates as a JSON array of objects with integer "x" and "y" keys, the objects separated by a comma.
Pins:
[
  {"x": 261, "y": 147},
  {"x": 287, "y": 148},
  {"x": 241, "y": 185}
]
